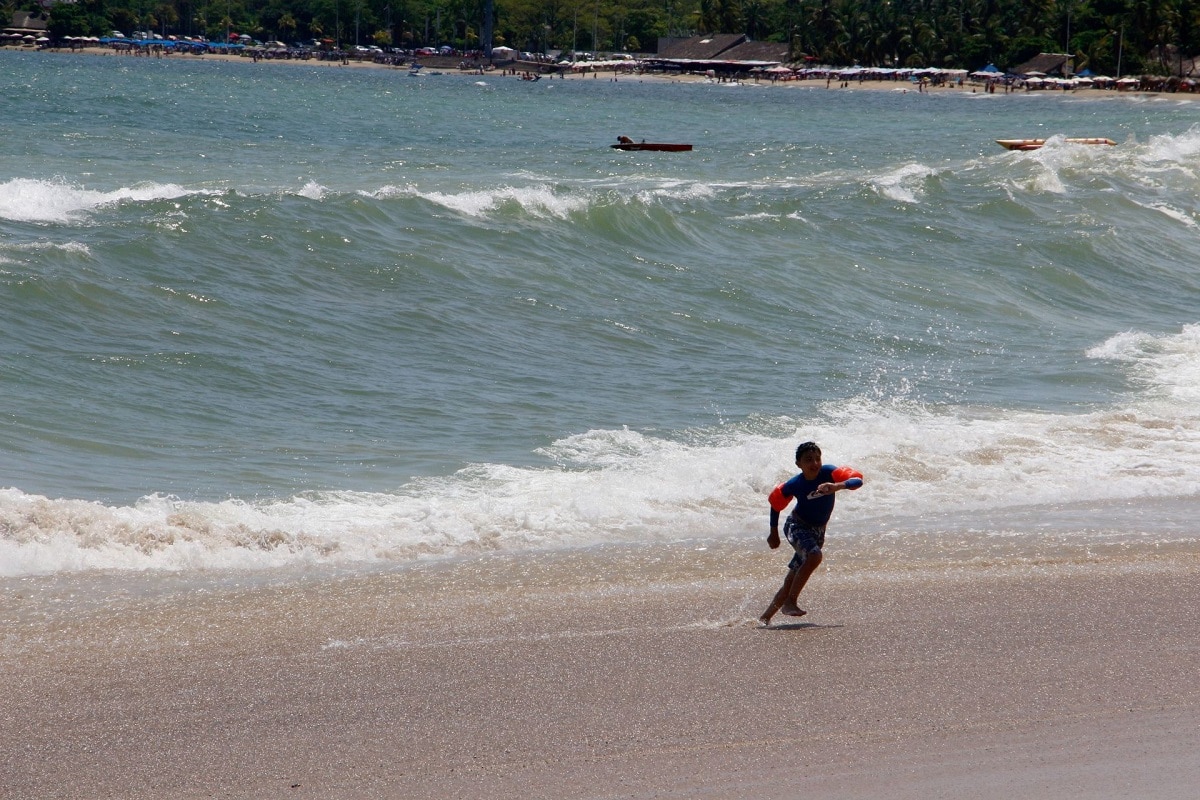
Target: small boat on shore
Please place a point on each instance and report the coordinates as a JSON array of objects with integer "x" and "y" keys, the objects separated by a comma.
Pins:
[
  {"x": 1034, "y": 144},
  {"x": 625, "y": 143}
]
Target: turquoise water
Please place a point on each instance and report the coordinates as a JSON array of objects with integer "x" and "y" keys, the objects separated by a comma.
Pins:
[{"x": 255, "y": 315}]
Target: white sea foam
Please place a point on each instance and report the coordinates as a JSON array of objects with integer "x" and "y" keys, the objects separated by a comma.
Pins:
[
  {"x": 1169, "y": 366},
  {"x": 622, "y": 485},
  {"x": 754, "y": 217},
  {"x": 677, "y": 190},
  {"x": 31, "y": 200},
  {"x": 1164, "y": 162},
  {"x": 312, "y": 190},
  {"x": 1050, "y": 161},
  {"x": 1051, "y": 168},
  {"x": 541, "y": 201},
  {"x": 905, "y": 184},
  {"x": 1173, "y": 149}
]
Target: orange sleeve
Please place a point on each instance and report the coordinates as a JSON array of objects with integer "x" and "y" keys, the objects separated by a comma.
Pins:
[
  {"x": 846, "y": 473},
  {"x": 778, "y": 500}
]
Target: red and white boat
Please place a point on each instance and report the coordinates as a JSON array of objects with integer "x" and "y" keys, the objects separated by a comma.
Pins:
[{"x": 1034, "y": 144}]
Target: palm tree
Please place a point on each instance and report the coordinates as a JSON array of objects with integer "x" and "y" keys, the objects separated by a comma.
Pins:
[
  {"x": 1185, "y": 23},
  {"x": 489, "y": 20},
  {"x": 287, "y": 26}
]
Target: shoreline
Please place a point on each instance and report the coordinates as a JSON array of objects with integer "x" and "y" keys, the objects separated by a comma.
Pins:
[
  {"x": 616, "y": 77},
  {"x": 595, "y": 675}
]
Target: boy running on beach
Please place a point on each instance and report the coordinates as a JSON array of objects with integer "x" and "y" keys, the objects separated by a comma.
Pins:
[{"x": 813, "y": 489}]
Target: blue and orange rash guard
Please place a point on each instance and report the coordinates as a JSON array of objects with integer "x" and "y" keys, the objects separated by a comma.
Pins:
[{"x": 815, "y": 512}]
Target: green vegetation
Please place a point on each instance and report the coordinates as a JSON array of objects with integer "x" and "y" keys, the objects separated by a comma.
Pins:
[{"x": 1145, "y": 36}]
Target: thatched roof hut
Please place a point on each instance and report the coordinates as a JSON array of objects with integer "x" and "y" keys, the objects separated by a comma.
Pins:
[
  {"x": 702, "y": 48},
  {"x": 27, "y": 22},
  {"x": 1046, "y": 64},
  {"x": 723, "y": 53},
  {"x": 762, "y": 52}
]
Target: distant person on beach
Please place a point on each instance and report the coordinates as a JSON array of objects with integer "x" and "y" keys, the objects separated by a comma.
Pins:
[{"x": 813, "y": 490}]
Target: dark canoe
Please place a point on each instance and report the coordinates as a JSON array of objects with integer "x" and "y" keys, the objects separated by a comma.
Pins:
[{"x": 668, "y": 148}]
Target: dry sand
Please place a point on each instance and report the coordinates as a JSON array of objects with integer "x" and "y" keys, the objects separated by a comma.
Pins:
[{"x": 629, "y": 673}]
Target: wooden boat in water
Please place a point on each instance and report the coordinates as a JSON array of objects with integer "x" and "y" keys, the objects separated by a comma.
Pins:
[
  {"x": 625, "y": 143},
  {"x": 1034, "y": 144},
  {"x": 663, "y": 146}
]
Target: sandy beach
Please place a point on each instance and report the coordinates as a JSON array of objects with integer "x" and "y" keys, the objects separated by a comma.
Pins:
[{"x": 590, "y": 675}]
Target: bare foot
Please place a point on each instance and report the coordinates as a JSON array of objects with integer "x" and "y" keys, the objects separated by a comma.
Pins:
[{"x": 792, "y": 611}]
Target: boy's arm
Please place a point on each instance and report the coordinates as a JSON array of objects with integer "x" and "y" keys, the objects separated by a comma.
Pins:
[
  {"x": 843, "y": 478},
  {"x": 779, "y": 500}
]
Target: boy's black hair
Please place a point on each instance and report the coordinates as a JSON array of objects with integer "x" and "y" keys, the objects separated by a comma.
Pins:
[{"x": 805, "y": 447}]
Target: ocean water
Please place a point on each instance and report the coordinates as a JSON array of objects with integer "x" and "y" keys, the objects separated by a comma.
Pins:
[{"x": 273, "y": 317}]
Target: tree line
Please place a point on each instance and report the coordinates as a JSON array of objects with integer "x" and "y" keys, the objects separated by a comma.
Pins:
[{"x": 1106, "y": 36}]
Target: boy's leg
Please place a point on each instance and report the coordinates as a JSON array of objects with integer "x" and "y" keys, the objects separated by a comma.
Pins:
[
  {"x": 780, "y": 598},
  {"x": 799, "y": 577}
]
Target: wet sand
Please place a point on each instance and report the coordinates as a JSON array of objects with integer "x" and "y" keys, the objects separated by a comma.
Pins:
[{"x": 632, "y": 672}]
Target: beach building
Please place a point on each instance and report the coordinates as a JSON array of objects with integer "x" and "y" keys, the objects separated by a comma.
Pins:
[
  {"x": 24, "y": 26},
  {"x": 700, "y": 48},
  {"x": 720, "y": 54},
  {"x": 1045, "y": 64}
]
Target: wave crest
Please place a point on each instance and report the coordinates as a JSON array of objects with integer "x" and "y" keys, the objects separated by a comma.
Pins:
[{"x": 57, "y": 201}]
